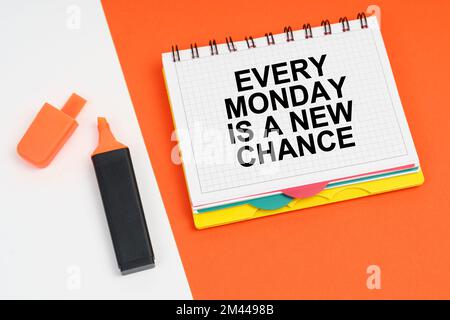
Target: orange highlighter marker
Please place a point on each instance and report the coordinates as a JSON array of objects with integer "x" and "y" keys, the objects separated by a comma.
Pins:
[{"x": 122, "y": 203}]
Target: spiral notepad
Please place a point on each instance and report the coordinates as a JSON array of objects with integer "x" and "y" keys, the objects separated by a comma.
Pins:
[{"x": 309, "y": 107}]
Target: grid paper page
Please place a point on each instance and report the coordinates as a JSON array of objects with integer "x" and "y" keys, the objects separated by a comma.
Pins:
[{"x": 376, "y": 135}]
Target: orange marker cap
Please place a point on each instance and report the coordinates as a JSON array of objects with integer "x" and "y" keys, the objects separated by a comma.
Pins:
[
  {"x": 49, "y": 131},
  {"x": 106, "y": 140}
]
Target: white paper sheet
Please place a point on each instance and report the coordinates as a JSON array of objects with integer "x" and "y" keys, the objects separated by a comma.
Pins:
[{"x": 374, "y": 134}]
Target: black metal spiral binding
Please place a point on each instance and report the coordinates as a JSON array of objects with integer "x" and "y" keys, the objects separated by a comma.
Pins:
[
  {"x": 213, "y": 46},
  {"x": 308, "y": 31},
  {"x": 230, "y": 45},
  {"x": 175, "y": 53},
  {"x": 270, "y": 39},
  {"x": 326, "y": 27},
  {"x": 194, "y": 51},
  {"x": 363, "y": 19},
  {"x": 289, "y": 33},
  {"x": 345, "y": 24},
  {"x": 250, "y": 42}
]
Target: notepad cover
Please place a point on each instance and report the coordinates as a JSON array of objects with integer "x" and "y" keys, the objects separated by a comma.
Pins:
[{"x": 358, "y": 190}]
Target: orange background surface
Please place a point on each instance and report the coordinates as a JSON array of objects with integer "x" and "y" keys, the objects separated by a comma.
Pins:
[{"x": 321, "y": 252}]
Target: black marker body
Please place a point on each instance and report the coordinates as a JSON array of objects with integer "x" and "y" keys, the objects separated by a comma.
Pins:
[{"x": 124, "y": 212}]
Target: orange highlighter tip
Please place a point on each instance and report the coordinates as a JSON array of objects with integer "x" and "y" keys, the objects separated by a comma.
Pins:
[{"x": 106, "y": 140}]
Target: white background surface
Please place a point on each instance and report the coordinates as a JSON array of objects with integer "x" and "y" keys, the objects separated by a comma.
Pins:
[{"x": 54, "y": 238}]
